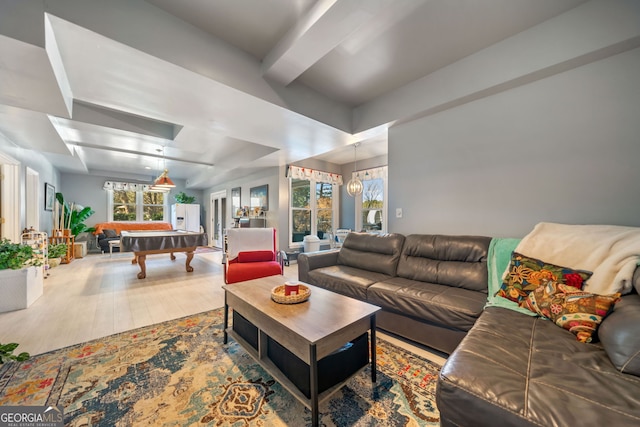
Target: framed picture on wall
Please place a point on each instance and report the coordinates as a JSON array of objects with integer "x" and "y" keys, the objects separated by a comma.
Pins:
[
  {"x": 260, "y": 197},
  {"x": 49, "y": 196},
  {"x": 236, "y": 206}
]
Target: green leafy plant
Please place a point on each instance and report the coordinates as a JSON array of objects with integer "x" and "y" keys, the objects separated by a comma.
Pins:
[
  {"x": 74, "y": 216},
  {"x": 181, "y": 197},
  {"x": 57, "y": 250},
  {"x": 16, "y": 255},
  {"x": 6, "y": 353}
]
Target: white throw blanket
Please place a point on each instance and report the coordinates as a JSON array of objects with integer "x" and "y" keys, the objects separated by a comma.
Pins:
[
  {"x": 249, "y": 239},
  {"x": 611, "y": 252}
]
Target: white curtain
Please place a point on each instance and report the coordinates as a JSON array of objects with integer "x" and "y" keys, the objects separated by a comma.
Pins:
[
  {"x": 373, "y": 173},
  {"x": 314, "y": 175},
  {"x": 125, "y": 186}
]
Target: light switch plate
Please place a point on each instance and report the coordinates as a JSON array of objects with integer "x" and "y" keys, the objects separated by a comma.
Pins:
[{"x": 398, "y": 212}]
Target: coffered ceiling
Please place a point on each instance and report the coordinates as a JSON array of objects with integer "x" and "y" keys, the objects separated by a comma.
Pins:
[{"x": 215, "y": 90}]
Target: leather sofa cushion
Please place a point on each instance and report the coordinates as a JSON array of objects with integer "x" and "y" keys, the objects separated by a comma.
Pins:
[
  {"x": 345, "y": 280},
  {"x": 444, "y": 305},
  {"x": 620, "y": 335},
  {"x": 525, "y": 371},
  {"x": 109, "y": 233},
  {"x": 372, "y": 252},
  {"x": 458, "y": 261}
]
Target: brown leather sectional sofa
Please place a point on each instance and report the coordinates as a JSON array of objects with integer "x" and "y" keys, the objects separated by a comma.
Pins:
[
  {"x": 431, "y": 288},
  {"x": 505, "y": 368}
]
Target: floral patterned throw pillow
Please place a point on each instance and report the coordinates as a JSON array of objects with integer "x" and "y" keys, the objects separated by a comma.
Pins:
[
  {"x": 572, "y": 309},
  {"x": 525, "y": 274}
]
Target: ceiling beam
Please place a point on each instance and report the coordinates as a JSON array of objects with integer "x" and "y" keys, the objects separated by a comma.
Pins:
[
  {"x": 139, "y": 153},
  {"x": 326, "y": 25},
  {"x": 110, "y": 118}
]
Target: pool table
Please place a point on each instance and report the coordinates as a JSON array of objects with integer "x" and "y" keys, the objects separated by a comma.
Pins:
[{"x": 143, "y": 243}]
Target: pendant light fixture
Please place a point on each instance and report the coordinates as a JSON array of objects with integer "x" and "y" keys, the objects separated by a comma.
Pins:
[
  {"x": 354, "y": 186},
  {"x": 163, "y": 181}
]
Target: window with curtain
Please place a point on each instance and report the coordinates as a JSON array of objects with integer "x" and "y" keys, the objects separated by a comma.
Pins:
[
  {"x": 312, "y": 206},
  {"x": 371, "y": 205},
  {"x": 135, "y": 202}
]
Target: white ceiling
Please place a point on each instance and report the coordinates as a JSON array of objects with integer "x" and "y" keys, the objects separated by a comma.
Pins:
[{"x": 225, "y": 88}]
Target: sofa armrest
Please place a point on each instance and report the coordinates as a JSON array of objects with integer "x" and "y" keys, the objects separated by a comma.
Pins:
[{"x": 312, "y": 260}]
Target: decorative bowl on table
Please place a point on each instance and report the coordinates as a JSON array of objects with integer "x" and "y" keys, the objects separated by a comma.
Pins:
[{"x": 290, "y": 293}]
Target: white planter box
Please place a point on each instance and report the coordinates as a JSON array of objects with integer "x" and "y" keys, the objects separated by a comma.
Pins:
[{"x": 20, "y": 288}]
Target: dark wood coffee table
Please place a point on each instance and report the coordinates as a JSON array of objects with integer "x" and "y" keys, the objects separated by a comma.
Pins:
[{"x": 310, "y": 330}]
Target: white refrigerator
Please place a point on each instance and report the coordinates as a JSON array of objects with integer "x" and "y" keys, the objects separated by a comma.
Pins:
[{"x": 185, "y": 217}]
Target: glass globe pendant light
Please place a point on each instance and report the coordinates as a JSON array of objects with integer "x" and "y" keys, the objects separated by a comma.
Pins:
[{"x": 354, "y": 186}]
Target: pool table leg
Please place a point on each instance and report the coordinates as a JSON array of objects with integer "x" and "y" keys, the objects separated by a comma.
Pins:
[
  {"x": 143, "y": 266},
  {"x": 188, "y": 262}
]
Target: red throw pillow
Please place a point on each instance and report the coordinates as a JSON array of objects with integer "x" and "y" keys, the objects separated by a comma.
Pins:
[{"x": 255, "y": 256}]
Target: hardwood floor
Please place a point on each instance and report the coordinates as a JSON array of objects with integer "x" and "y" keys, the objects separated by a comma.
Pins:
[{"x": 99, "y": 295}]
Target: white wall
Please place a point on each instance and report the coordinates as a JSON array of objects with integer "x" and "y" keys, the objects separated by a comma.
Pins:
[{"x": 562, "y": 149}]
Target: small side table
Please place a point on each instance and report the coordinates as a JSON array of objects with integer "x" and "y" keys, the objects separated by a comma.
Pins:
[{"x": 113, "y": 244}]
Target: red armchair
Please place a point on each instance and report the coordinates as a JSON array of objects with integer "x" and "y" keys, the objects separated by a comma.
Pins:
[{"x": 250, "y": 254}]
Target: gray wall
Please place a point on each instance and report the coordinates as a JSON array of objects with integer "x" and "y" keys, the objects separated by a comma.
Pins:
[
  {"x": 275, "y": 217},
  {"x": 87, "y": 190},
  {"x": 278, "y": 215},
  {"x": 562, "y": 149}
]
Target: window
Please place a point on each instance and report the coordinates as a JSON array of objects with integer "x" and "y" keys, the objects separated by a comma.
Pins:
[
  {"x": 153, "y": 205},
  {"x": 313, "y": 209},
  {"x": 133, "y": 202},
  {"x": 324, "y": 209},
  {"x": 300, "y": 209},
  {"x": 124, "y": 205},
  {"x": 371, "y": 211}
]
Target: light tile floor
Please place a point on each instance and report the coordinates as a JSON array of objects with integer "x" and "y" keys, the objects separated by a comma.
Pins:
[{"x": 99, "y": 295}]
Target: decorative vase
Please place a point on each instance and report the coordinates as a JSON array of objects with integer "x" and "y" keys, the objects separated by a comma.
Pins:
[{"x": 54, "y": 262}]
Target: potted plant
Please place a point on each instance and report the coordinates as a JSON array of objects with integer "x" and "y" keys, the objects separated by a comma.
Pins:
[
  {"x": 182, "y": 197},
  {"x": 69, "y": 221},
  {"x": 15, "y": 255},
  {"x": 73, "y": 216},
  {"x": 20, "y": 276},
  {"x": 55, "y": 254},
  {"x": 6, "y": 353}
]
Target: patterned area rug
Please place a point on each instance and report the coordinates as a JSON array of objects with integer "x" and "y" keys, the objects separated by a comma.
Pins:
[{"x": 179, "y": 373}]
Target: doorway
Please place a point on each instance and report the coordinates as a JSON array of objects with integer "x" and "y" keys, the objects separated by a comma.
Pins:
[
  {"x": 9, "y": 199},
  {"x": 218, "y": 211}
]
